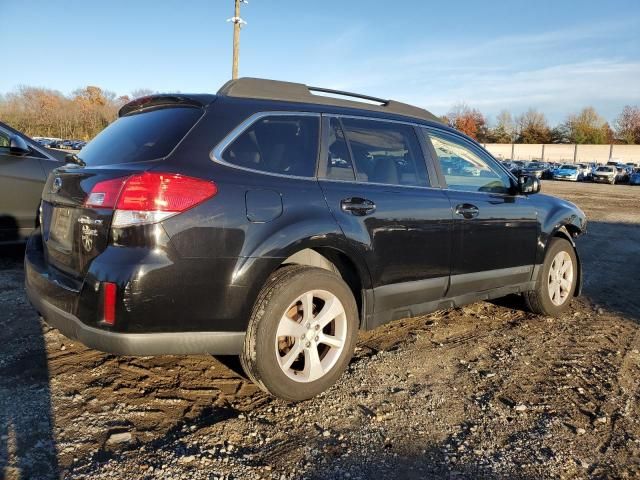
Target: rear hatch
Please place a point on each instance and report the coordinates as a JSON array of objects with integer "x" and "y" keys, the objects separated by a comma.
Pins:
[{"x": 74, "y": 229}]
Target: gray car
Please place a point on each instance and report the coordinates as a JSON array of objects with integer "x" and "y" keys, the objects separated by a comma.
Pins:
[{"x": 24, "y": 167}]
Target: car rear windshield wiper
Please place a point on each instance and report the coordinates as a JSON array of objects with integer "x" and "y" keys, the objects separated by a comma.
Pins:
[{"x": 73, "y": 158}]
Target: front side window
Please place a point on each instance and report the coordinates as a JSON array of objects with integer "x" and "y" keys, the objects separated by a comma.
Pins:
[
  {"x": 385, "y": 152},
  {"x": 282, "y": 144},
  {"x": 464, "y": 169}
]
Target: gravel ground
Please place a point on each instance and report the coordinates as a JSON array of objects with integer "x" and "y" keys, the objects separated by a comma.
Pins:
[{"x": 484, "y": 391}]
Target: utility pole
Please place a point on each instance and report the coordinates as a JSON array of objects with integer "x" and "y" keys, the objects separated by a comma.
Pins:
[{"x": 238, "y": 23}]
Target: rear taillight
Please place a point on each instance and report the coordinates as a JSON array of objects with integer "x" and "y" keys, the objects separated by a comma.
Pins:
[{"x": 149, "y": 197}]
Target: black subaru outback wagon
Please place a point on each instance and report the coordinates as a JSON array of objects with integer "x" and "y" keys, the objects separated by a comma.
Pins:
[{"x": 273, "y": 220}]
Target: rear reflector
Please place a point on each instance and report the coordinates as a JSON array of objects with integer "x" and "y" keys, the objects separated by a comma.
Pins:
[
  {"x": 149, "y": 197},
  {"x": 109, "y": 306}
]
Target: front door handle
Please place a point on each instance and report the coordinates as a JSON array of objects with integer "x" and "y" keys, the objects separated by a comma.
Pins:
[
  {"x": 467, "y": 210},
  {"x": 357, "y": 206}
]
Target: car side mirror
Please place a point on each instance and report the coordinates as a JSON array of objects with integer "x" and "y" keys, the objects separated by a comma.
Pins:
[
  {"x": 529, "y": 184},
  {"x": 17, "y": 146}
]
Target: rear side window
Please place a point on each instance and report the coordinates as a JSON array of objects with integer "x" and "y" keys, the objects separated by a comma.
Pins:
[
  {"x": 282, "y": 144},
  {"x": 140, "y": 137},
  {"x": 385, "y": 152}
]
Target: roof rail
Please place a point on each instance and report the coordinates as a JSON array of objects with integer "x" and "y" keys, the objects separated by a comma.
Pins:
[{"x": 248, "y": 87}]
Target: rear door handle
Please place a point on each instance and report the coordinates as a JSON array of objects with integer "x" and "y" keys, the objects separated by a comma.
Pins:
[
  {"x": 467, "y": 210},
  {"x": 357, "y": 206}
]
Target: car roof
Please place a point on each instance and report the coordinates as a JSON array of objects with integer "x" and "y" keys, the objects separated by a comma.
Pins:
[
  {"x": 258, "y": 88},
  {"x": 289, "y": 96}
]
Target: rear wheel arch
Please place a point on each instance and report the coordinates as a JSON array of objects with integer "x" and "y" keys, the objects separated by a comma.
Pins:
[{"x": 335, "y": 261}]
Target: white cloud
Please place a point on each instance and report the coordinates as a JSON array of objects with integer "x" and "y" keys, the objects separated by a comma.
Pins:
[{"x": 557, "y": 72}]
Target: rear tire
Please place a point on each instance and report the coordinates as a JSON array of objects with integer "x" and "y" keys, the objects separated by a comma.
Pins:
[
  {"x": 301, "y": 334},
  {"x": 557, "y": 281}
]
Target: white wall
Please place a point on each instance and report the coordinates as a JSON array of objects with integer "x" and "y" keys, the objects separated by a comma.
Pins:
[{"x": 565, "y": 153}]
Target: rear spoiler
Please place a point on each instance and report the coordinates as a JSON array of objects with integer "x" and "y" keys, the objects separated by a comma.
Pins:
[{"x": 166, "y": 100}]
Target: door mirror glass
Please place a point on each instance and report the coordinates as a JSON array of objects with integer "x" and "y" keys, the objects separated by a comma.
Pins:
[
  {"x": 529, "y": 184},
  {"x": 17, "y": 146}
]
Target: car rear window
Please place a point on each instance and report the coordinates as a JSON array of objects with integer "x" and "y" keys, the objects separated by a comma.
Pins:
[{"x": 140, "y": 137}]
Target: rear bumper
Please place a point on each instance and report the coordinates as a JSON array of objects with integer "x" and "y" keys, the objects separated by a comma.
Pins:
[
  {"x": 60, "y": 303},
  {"x": 177, "y": 343}
]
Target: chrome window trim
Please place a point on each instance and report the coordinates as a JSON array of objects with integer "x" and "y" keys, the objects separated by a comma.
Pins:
[
  {"x": 388, "y": 185},
  {"x": 376, "y": 119},
  {"x": 216, "y": 153}
]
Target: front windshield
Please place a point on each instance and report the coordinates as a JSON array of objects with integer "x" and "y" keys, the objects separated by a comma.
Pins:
[{"x": 568, "y": 167}]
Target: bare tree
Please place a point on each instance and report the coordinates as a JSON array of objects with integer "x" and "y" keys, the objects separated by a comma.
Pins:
[
  {"x": 627, "y": 125},
  {"x": 141, "y": 92},
  {"x": 532, "y": 127},
  {"x": 505, "y": 129}
]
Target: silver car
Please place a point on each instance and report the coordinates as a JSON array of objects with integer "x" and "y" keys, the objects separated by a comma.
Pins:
[{"x": 605, "y": 174}]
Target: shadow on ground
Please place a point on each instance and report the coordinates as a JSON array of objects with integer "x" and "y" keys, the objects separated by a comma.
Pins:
[{"x": 27, "y": 441}]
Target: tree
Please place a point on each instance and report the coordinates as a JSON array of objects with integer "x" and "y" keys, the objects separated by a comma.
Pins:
[
  {"x": 587, "y": 127},
  {"x": 560, "y": 134},
  {"x": 44, "y": 112},
  {"x": 504, "y": 131},
  {"x": 469, "y": 121},
  {"x": 141, "y": 92},
  {"x": 532, "y": 127},
  {"x": 627, "y": 125}
]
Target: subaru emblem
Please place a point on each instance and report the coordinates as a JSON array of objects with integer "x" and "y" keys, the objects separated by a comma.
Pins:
[{"x": 57, "y": 185}]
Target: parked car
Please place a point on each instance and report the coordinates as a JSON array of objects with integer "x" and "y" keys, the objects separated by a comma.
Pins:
[
  {"x": 593, "y": 166},
  {"x": 584, "y": 169},
  {"x": 516, "y": 167},
  {"x": 568, "y": 172},
  {"x": 605, "y": 174},
  {"x": 45, "y": 142},
  {"x": 536, "y": 169},
  {"x": 622, "y": 174},
  {"x": 634, "y": 179},
  {"x": 222, "y": 224},
  {"x": 24, "y": 166}
]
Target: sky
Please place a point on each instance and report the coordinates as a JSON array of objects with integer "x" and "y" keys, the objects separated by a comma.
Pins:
[{"x": 556, "y": 56}]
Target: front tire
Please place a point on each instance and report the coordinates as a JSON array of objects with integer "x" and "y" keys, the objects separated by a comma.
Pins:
[
  {"x": 301, "y": 334},
  {"x": 557, "y": 281}
]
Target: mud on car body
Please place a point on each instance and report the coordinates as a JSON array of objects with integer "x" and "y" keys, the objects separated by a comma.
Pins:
[{"x": 273, "y": 223}]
